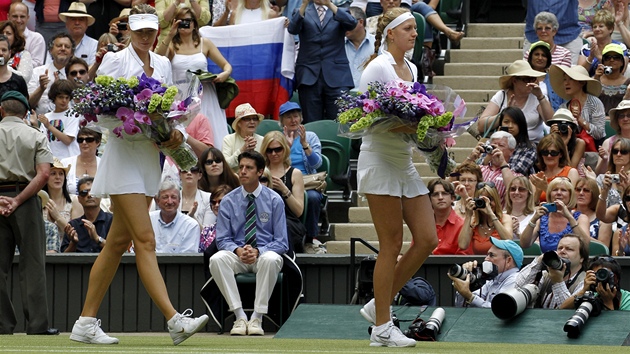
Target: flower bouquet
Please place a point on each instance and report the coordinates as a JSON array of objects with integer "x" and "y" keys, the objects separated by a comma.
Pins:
[
  {"x": 140, "y": 108},
  {"x": 430, "y": 109}
]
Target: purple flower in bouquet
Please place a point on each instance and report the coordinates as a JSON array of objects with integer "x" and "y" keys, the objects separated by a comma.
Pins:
[
  {"x": 143, "y": 95},
  {"x": 369, "y": 106},
  {"x": 150, "y": 83}
]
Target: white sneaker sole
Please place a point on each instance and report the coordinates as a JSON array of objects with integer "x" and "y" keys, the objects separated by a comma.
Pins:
[
  {"x": 392, "y": 345},
  {"x": 367, "y": 316},
  {"x": 83, "y": 339}
]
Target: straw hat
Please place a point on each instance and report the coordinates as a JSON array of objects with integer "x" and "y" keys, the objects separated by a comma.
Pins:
[
  {"x": 563, "y": 115},
  {"x": 244, "y": 110},
  {"x": 57, "y": 164},
  {"x": 518, "y": 68},
  {"x": 614, "y": 122},
  {"x": 577, "y": 73},
  {"x": 77, "y": 9},
  {"x": 44, "y": 197}
]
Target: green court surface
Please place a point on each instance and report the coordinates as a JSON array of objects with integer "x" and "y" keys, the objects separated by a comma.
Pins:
[{"x": 534, "y": 326}]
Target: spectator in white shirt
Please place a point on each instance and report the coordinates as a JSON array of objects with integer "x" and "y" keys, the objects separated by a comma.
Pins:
[{"x": 35, "y": 43}]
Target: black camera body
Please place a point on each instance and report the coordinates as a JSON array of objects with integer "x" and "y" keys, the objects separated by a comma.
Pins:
[
  {"x": 488, "y": 149},
  {"x": 553, "y": 261},
  {"x": 478, "y": 276},
  {"x": 608, "y": 70},
  {"x": 426, "y": 331},
  {"x": 480, "y": 203},
  {"x": 112, "y": 47},
  {"x": 587, "y": 305},
  {"x": 122, "y": 26},
  {"x": 604, "y": 276},
  {"x": 563, "y": 128},
  {"x": 184, "y": 24}
]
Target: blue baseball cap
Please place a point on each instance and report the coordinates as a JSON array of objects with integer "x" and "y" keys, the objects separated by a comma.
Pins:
[
  {"x": 508, "y": 245},
  {"x": 289, "y": 106}
]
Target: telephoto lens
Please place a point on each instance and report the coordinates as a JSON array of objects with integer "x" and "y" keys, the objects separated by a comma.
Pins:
[
  {"x": 458, "y": 271},
  {"x": 433, "y": 325},
  {"x": 552, "y": 260},
  {"x": 512, "y": 302},
  {"x": 574, "y": 325}
]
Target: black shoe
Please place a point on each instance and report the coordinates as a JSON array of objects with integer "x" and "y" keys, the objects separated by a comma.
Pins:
[{"x": 48, "y": 332}]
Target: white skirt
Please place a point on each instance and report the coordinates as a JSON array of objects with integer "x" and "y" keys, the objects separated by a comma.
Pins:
[{"x": 385, "y": 167}]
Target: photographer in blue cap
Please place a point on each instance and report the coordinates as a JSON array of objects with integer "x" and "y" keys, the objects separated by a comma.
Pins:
[
  {"x": 501, "y": 266},
  {"x": 24, "y": 169}
]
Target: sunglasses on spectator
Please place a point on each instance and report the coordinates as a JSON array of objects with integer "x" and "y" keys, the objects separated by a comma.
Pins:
[
  {"x": 210, "y": 161},
  {"x": 249, "y": 119},
  {"x": 193, "y": 169},
  {"x": 617, "y": 151},
  {"x": 526, "y": 79},
  {"x": 582, "y": 190},
  {"x": 626, "y": 198},
  {"x": 518, "y": 189},
  {"x": 603, "y": 258},
  {"x": 611, "y": 57},
  {"x": 215, "y": 201},
  {"x": 87, "y": 140},
  {"x": 623, "y": 115},
  {"x": 84, "y": 192},
  {"x": 546, "y": 29},
  {"x": 78, "y": 72},
  {"x": 276, "y": 150},
  {"x": 553, "y": 153},
  {"x": 480, "y": 185}
]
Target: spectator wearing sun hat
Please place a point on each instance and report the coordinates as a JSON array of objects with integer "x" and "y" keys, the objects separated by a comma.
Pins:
[
  {"x": 244, "y": 137},
  {"x": 77, "y": 21},
  {"x": 581, "y": 92},
  {"x": 519, "y": 88}
]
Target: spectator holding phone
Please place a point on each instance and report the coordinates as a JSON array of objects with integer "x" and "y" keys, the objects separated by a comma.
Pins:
[{"x": 553, "y": 219}]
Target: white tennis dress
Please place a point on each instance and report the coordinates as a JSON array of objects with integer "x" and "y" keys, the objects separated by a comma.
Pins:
[
  {"x": 132, "y": 164},
  {"x": 385, "y": 166}
]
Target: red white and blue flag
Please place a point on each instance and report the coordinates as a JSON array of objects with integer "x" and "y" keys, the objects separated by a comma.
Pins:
[{"x": 262, "y": 56}]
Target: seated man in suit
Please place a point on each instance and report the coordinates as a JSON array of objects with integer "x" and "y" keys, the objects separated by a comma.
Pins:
[
  {"x": 87, "y": 233},
  {"x": 251, "y": 237}
]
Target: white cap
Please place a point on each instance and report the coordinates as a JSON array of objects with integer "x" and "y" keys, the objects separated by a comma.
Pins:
[{"x": 140, "y": 21}]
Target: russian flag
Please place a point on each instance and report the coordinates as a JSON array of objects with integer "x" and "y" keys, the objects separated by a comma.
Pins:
[{"x": 262, "y": 56}]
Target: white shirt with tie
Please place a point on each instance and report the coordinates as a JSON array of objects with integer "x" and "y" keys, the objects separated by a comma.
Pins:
[{"x": 45, "y": 105}]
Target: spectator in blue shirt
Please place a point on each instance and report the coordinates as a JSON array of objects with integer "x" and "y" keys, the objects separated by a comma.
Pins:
[
  {"x": 359, "y": 45},
  {"x": 261, "y": 254}
]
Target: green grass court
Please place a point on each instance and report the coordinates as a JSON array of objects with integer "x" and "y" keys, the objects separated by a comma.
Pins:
[{"x": 213, "y": 343}]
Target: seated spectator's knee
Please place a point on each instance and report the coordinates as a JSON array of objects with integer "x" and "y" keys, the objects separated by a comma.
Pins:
[
  {"x": 314, "y": 198},
  {"x": 271, "y": 259}
]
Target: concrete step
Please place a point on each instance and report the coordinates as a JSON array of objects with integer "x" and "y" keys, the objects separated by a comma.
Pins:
[
  {"x": 479, "y": 69},
  {"x": 493, "y": 30},
  {"x": 477, "y": 96},
  {"x": 359, "y": 215},
  {"x": 492, "y": 43},
  {"x": 366, "y": 231},
  {"x": 468, "y": 82},
  {"x": 343, "y": 247},
  {"x": 474, "y": 56}
]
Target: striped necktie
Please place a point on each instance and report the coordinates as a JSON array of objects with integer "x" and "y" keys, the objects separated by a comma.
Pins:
[
  {"x": 321, "y": 11},
  {"x": 250, "y": 221}
]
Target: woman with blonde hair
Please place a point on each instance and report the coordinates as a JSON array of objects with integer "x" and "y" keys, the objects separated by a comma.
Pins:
[
  {"x": 520, "y": 203},
  {"x": 394, "y": 190},
  {"x": 554, "y": 219},
  {"x": 553, "y": 161},
  {"x": 287, "y": 181},
  {"x": 485, "y": 219},
  {"x": 246, "y": 11},
  {"x": 587, "y": 195}
]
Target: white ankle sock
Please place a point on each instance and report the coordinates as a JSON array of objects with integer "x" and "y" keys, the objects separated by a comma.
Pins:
[
  {"x": 86, "y": 320},
  {"x": 256, "y": 315},
  {"x": 239, "y": 313},
  {"x": 381, "y": 327}
]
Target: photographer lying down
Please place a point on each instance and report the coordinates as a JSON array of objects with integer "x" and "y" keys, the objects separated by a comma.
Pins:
[
  {"x": 559, "y": 274},
  {"x": 602, "y": 284},
  {"x": 476, "y": 286}
]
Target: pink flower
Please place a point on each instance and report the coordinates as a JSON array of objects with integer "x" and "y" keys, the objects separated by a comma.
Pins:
[
  {"x": 144, "y": 95},
  {"x": 142, "y": 117},
  {"x": 449, "y": 142},
  {"x": 124, "y": 114},
  {"x": 369, "y": 106}
]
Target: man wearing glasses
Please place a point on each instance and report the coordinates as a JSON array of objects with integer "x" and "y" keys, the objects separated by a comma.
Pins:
[
  {"x": 77, "y": 71},
  {"x": 507, "y": 256},
  {"x": 87, "y": 233},
  {"x": 555, "y": 286}
]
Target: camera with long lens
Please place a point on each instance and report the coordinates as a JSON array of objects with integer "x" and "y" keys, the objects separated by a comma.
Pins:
[
  {"x": 512, "y": 302},
  {"x": 478, "y": 276},
  {"x": 480, "y": 203},
  {"x": 587, "y": 305},
  {"x": 553, "y": 261},
  {"x": 608, "y": 70},
  {"x": 604, "y": 276},
  {"x": 563, "y": 128},
  {"x": 426, "y": 331}
]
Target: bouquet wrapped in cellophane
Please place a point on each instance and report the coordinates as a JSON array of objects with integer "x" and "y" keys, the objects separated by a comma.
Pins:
[
  {"x": 430, "y": 109},
  {"x": 139, "y": 108}
]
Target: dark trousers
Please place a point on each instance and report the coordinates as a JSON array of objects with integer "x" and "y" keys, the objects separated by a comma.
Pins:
[
  {"x": 318, "y": 100},
  {"x": 24, "y": 228}
]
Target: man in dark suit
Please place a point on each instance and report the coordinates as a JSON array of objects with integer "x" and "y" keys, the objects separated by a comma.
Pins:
[{"x": 322, "y": 69}]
